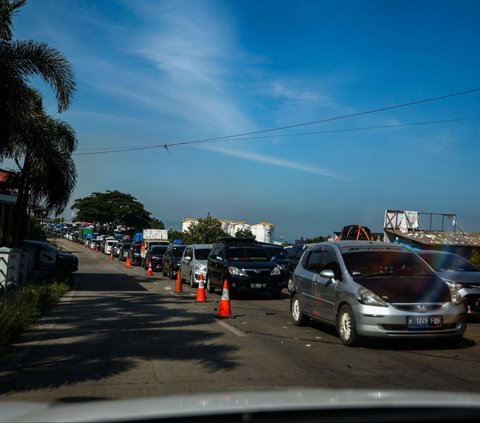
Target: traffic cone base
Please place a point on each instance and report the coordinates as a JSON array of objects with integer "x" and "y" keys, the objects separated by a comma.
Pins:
[
  {"x": 178, "y": 283},
  {"x": 201, "y": 297},
  {"x": 128, "y": 264},
  {"x": 150, "y": 269},
  {"x": 225, "y": 311}
]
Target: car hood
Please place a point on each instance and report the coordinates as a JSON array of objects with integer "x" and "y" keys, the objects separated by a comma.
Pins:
[
  {"x": 461, "y": 277},
  {"x": 332, "y": 404},
  {"x": 419, "y": 289}
]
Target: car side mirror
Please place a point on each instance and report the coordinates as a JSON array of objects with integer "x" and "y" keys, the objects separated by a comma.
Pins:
[{"x": 327, "y": 274}]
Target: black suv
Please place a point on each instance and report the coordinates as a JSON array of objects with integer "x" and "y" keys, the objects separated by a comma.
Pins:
[
  {"x": 155, "y": 254},
  {"x": 171, "y": 260},
  {"x": 245, "y": 264}
]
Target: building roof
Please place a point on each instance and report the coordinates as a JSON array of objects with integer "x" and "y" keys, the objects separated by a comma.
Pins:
[{"x": 470, "y": 239}]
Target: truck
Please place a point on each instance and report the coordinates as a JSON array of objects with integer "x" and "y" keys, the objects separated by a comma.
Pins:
[
  {"x": 153, "y": 237},
  {"x": 85, "y": 233}
]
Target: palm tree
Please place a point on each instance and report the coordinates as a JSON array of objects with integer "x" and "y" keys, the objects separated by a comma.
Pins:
[
  {"x": 20, "y": 60},
  {"x": 47, "y": 173}
]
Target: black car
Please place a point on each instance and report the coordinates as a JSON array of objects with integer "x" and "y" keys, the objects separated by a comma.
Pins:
[
  {"x": 155, "y": 254},
  {"x": 134, "y": 253},
  {"x": 293, "y": 256},
  {"x": 171, "y": 260},
  {"x": 246, "y": 266},
  {"x": 279, "y": 255},
  {"x": 123, "y": 249},
  {"x": 49, "y": 258}
]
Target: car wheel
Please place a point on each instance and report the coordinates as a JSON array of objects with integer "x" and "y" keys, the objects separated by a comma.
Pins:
[
  {"x": 298, "y": 317},
  {"x": 171, "y": 273},
  {"x": 346, "y": 327},
  {"x": 210, "y": 287},
  {"x": 290, "y": 285}
]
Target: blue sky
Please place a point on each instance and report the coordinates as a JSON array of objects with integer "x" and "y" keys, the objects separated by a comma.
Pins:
[{"x": 162, "y": 72}]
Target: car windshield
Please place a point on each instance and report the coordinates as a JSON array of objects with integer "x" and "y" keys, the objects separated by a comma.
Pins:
[
  {"x": 279, "y": 253},
  {"x": 202, "y": 253},
  {"x": 158, "y": 250},
  {"x": 448, "y": 262},
  {"x": 247, "y": 254},
  {"x": 372, "y": 263},
  {"x": 177, "y": 251}
]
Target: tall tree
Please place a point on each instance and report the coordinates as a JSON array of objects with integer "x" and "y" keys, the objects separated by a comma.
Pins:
[
  {"x": 206, "y": 231},
  {"x": 115, "y": 209},
  {"x": 19, "y": 60},
  {"x": 47, "y": 172}
]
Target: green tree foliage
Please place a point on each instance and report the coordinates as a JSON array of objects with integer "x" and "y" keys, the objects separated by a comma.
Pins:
[
  {"x": 319, "y": 238},
  {"x": 156, "y": 223},
  {"x": 206, "y": 231},
  {"x": 244, "y": 233},
  {"x": 19, "y": 61},
  {"x": 113, "y": 208},
  {"x": 173, "y": 234}
]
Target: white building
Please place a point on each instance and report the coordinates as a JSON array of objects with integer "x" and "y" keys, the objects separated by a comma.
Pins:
[{"x": 263, "y": 231}]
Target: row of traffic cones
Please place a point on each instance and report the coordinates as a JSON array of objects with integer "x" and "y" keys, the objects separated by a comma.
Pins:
[{"x": 224, "y": 311}]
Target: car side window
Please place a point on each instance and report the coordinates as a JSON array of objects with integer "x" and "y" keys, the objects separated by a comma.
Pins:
[
  {"x": 188, "y": 252},
  {"x": 329, "y": 262},
  {"x": 313, "y": 261},
  {"x": 299, "y": 252}
]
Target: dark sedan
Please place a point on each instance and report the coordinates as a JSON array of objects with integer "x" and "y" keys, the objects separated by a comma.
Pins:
[
  {"x": 155, "y": 255},
  {"x": 453, "y": 268}
]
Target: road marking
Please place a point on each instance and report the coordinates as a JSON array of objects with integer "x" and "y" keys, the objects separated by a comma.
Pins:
[{"x": 231, "y": 328}]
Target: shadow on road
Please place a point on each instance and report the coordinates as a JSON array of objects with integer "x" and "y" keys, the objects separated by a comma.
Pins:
[{"x": 95, "y": 335}]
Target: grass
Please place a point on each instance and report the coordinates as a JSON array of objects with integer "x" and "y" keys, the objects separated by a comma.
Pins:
[{"x": 19, "y": 311}]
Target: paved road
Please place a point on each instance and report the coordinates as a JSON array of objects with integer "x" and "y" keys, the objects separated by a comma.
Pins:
[{"x": 122, "y": 334}]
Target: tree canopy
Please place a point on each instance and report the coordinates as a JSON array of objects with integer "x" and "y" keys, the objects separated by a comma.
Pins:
[
  {"x": 206, "y": 231},
  {"x": 116, "y": 209},
  {"x": 244, "y": 233}
]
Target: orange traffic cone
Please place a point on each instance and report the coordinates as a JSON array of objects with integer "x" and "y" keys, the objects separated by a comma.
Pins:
[
  {"x": 225, "y": 311},
  {"x": 178, "y": 284},
  {"x": 201, "y": 297},
  {"x": 150, "y": 269},
  {"x": 128, "y": 264},
  {"x": 111, "y": 254}
]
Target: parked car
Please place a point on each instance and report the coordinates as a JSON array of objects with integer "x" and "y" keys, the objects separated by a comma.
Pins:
[
  {"x": 293, "y": 257},
  {"x": 155, "y": 254},
  {"x": 123, "y": 250},
  {"x": 109, "y": 244},
  {"x": 376, "y": 290},
  {"x": 279, "y": 255},
  {"x": 49, "y": 258},
  {"x": 171, "y": 260},
  {"x": 453, "y": 268},
  {"x": 194, "y": 263},
  {"x": 134, "y": 253},
  {"x": 246, "y": 265}
]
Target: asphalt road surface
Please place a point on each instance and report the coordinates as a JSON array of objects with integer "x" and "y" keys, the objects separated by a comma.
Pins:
[{"x": 122, "y": 334}]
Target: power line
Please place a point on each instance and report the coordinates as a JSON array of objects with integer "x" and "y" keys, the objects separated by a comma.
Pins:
[{"x": 166, "y": 146}]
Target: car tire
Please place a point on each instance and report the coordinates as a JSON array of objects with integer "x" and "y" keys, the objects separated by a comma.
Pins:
[
  {"x": 209, "y": 286},
  {"x": 296, "y": 311},
  {"x": 171, "y": 274},
  {"x": 346, "y": 326}
]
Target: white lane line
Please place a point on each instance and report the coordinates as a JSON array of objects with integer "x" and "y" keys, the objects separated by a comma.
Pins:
[{"x": 235, "y": 331}]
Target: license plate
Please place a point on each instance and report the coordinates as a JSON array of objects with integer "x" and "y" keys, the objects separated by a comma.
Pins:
[
  {"x": 258, "y": 285},
  {"x": 424, "y": 322}
]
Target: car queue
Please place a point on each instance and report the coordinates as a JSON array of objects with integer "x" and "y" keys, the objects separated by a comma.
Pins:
[{"x": 363, "y": 289}]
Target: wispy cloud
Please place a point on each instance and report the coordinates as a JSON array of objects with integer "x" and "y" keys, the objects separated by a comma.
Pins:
[{"x": 274, "y": 161}]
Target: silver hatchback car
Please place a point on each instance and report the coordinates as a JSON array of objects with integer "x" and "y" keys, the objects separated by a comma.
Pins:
[
  {"x": 374, "y": 289},
  {"x": 194, "y": 263}
]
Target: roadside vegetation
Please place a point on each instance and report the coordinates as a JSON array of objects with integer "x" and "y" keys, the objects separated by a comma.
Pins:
[{"x": 22, "y": 309}]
